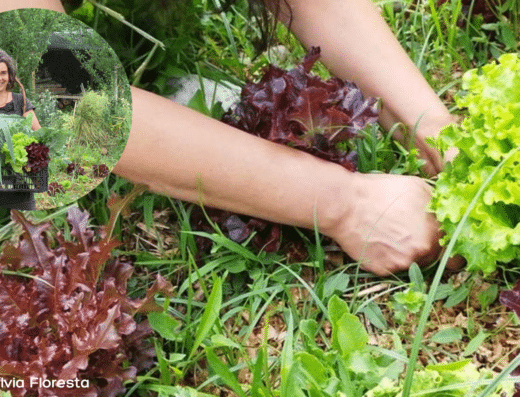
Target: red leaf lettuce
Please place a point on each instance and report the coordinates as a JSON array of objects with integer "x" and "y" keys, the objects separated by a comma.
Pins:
[
  {"x": 70, "y": 317},
  {"x": 301, "y": 110}
]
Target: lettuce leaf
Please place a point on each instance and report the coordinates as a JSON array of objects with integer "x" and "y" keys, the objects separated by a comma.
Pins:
[
  {"x": 489, "y": 133},
  {"x": 71, "y": 317},
  {"x": 20, "y": 141},
  {"x": 457, "y": 379}
]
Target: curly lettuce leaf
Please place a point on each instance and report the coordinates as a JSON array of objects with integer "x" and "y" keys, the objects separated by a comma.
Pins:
[
  {"x": 20, "y": 141},
  {"x": 301, "y": 110},
  {"x": 489, "y": 133},
  {"x": 457, "y": 379},
  {"x": 73, "y": 318}
]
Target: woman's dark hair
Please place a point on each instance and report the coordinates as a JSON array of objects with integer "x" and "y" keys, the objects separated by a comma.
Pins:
[{"x": 11, "y": 71}]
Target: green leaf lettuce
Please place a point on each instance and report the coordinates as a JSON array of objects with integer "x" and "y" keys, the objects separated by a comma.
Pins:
[{"x": 489, "y": 133}]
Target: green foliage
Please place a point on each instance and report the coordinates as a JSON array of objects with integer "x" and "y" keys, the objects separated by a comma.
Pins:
[
  {"x": 16, "y": 135},
  {"x": 46, "y": 109},
  {"x": 457, "y": 379},
  {"x": 378, "y": 152},
  {"x": 85, "y": 13},
  {"x": 54, "y": 138},
  {"x": 120, "y": 119},
  {"x": 20, "y": 141},
  {"x": 89, "y": 123},
  {"x": 214, "y": 43},
  {"x": 349, "y": 367},
  {"x": 210, "y": 315},
  {"x": 99, "y": 59},
  {"x": 196, "y": 34},
  {"x": 5, "y": 136},
  {"x": 409, "y": 301},
  {"x": 27, "y": 48},
  {"x": 489, "y": 134}
]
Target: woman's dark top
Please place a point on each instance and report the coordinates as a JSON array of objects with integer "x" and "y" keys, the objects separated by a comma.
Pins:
[
  {"x": 17, "y": 200},
  {"x": 16, "y": 105}
]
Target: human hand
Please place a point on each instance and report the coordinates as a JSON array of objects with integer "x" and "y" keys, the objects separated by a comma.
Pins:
[
  {"x": 434, "y": 160},
  {"x": 387, "y": 226}
]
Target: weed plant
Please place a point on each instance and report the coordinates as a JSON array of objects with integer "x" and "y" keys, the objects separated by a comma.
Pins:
[
  {"x": 90, "y": 114},
  {"x": 46, "y": 109}
]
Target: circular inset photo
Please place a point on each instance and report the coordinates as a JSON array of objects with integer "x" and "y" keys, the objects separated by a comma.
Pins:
[{"x": 65, "y": 109}]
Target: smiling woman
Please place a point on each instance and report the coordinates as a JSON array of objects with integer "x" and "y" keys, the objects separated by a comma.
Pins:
[{"x": 15, "y": 103}]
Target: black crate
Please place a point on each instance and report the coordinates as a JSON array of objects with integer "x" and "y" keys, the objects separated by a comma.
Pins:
[{"x": 35, "y": 182}]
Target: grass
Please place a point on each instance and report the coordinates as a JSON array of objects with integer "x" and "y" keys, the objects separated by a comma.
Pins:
[{"x": 244, "y": 322}]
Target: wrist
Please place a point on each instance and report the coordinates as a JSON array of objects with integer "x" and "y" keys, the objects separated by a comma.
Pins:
[{"x": 338, "y": 205}]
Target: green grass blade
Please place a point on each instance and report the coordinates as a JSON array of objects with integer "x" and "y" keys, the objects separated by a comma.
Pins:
[
  {"x": 209, "y": 316},
  {"x": 435, "y": 283},
  {"x": 227, "y": 25},
  {"x": 206, "y": 269},
  {"x": 227, "y": 243},
  {"x": 452, "y": 29},
  {"x": 224, "y": 373},
  {"x": 257, "y": 387},
  {"x": 163, "y": 364},
  {"x": 311, "y": 291},
  {"x": 500, "y": 377},
  {"x": 435, "y": 17},
  {"x": 287, "y": 359},
  {"x": 176, "y": 391},
  {"x": 320, "y": 254}
]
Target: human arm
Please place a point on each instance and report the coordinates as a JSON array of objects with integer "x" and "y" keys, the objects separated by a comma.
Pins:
[
  {"x": 379, "y": 219},
  {"x": 7, "y": 5},
  {"x": 35, "y": 123},
  {"x": 356, "y": 44}
]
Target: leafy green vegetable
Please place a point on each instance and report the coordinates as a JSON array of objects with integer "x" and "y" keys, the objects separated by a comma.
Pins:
[
  {"x": 405, "y": 302},
  {"x": 20, "y": 141},
  {"x": 489, "y": 134},
  {"x": 461, "y": 378},
  {"x": 349, "y": 367}
]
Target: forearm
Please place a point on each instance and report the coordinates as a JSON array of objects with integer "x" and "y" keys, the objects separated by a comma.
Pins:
[
  {"x": 358, "y": 45},
  {"x": 6, "y": 5},
  {"x": 35, "y": 123},
  {"x": 181, "y": 153}
]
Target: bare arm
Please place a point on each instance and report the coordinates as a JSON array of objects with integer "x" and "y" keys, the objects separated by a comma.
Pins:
[
  {"x": 7, "y": 5},
  {"x": 358, "y": 45},
  {"x": 184, "y": 154},
  {"x": 35, "y": 123},
  {"x": 379, "y": 219}
]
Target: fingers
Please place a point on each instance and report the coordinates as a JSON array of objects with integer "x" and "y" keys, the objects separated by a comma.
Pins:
[
  {"x": 433, "y": 158},
  {"x": 391, "y": 227},
  {"x": 455, "y": 263}
]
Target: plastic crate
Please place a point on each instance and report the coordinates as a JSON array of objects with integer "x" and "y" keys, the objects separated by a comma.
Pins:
[{"x": 35, "y": 182}]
